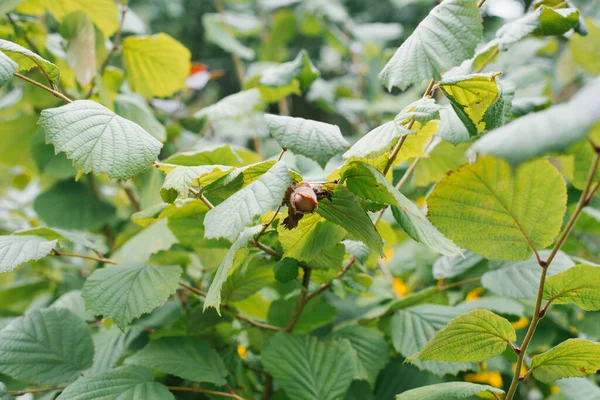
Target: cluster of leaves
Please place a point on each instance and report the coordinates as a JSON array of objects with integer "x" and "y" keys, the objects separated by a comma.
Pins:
[{"x": 144, "y": 250}]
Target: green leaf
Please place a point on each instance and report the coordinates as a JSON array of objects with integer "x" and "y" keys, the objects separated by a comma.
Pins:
[
  {"x": 213, "y": 297},
  {"x": 573, "y": 357},
  {"x": 109, "y": 346},
  {"x": 135, "y": 108},
  {"x": 180, "y": 179},
  {"x": 579, "y": 285},
  {"x": 443, "y": 158},
  {"x": 72, "y": 205},
  {"x": 311, "y": 238},
  {"x": 216, "y": 32},
  {"x": 79, "y": 238},
  {"x": 7, "y": 69},
  {"x": 27, "y": 59},
  {"x": 232, "y": 106},
  {"x": 486, "y": 208},
  {"x": 448, "y": 267},
  {"x": 16, "y": 250},
  {"x": 371, "y": 350},
  {"x": 125, "y": 292},
  {"x": 98, "y": 140},
  {"x": 299, "y": 73},
  {"x": 578, "y": 389},
  {"x": 228, "y": 219},
  {"x": 308, "y": 369},
  {"x": 424, "y": 55},
  {"x": 316, "y": 140},
  {"x": 152, "y": 239},
  {"x": 586, "y": 49},
  {"x": 316, "y": 314},
  {"x": 551, "y": 130},
  {"x": 344, "y": 210},
  {"x": 188, "y": 358},
  {"x": 49, "y": 347},
  {"x": 128, "y": 382},
  {"x": 208, "y": 153},
  {"x": 451, "y": 128},
  {"x": 156, "y": 65},
  {"x": 247, "y": 278},
  {"x": 412, "y": 328},
  {"x": 456, "y": 390},
  {"x": 473, "y": 337},
  {"x": 362, "y": 179},
  {"x": 544, "y": 21}
]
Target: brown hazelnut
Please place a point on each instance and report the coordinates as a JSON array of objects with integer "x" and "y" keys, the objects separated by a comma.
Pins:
[{"x": 304, "y": 200}]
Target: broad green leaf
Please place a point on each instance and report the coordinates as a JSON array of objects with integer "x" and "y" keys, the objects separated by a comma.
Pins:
[
  {"x": 583, "y": 154},
  {"x": 471, "y": 96},
  {"x": 188, "y": 358},
  {"x": 213, "y": 297},
  {"x": 383, "y": 138},
  {"x": 444, "y": 157},
  {"x": 412, "y": 328},
  {"x": 317, "y": 314},
  {"x": 156, "y": 65},
  {"x": 424, "y": 55},
  {"x": 8, "y": 5},
  {"x": 500, "y": 214},
  {"x": 316, "y": 140},
  {"x": 98, "y": 140},
  {"x": 16, "y": 250},
  {"x": 586, "y": 49},
  {"x": 73, "y": 205},
  {"x": 73, "y": 302},
  {"x": 551, "y": 130},
  {"x": 125, "y": 292},
  {"x": 50, "y": 347},
  {"x": 344, "y": 210},
  {"x": 371, "y": 350},
  {"x": 500, "y": 305},
  {"x": 473, "y": 337},
  {"x": 128, "y": 382},
  {"x": 455, "y": 390},
  {"x": 579, "y": 285},
  {"x": 573, "y": 357},
  {"x": 27, "y": 59},
  {"x": 451, "y": 128},
  {"x": 109, "y": 346},
  {"x": 232, "y": 106},
  {"x": 7, "y": 68},
  {"x": 282, "y": 80},
  {"x": 311, "y": 238},
  {"x": 84, "y": 239},
  {"x": 362, "y": 179},
  {"x": 78, "y": 28},
  {"x": 308, "y": 369},
  {"x": 18, "y": 136},
  {"x": 135, "y": 108},
  {"x": 520, "y": 280},
  {"x": 247, "y": 278},
  {"x": 578, "y": 389},
  {"x": 152, "y": 239},
  {"x": 544, "y": 21},
  {"x": 180, "y": 179},
  {"x": 228, "y": 219},
  {"x": 218, "y": 33},
  {"x": 450, "y": 266},
  {"x": 207, "y": 153}
]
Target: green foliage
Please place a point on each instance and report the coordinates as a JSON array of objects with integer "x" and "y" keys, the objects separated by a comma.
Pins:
[
  {"x": 455, "y": 390},
  {"x": 578, "y": 285},
  {"x": 15, "y": 250},
  {"x": 573, "y": 357}
]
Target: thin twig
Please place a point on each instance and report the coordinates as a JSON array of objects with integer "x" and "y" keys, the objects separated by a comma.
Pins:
[
  {"x": 32, "y": 391},
  {"x": 351, "y": 261},
  {"x": 54, "y": 92},
  {"x": 205, "y": 391},
  {"x": 266, "y": 248},
  {"x": 132, "y": 196},
  {"x": 99, "y": 258},
  {"x": 30, "y": 43},
  {"x": 302, "y": 300},
  {"x": 237, "y": 61},
  {"x": 281, "y": 154}
]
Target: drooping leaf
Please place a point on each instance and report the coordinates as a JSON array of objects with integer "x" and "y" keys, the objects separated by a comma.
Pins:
[
  {"x": 308, "y": 369},
  {"x": 288, "y": 77},
  {"x": 84, "y": 239},
  {"x": 229, "y": 218},
  {"x": 135, "y": 109},
  {"x": 488, "y": 209},
  {"x": 81, "y": 51},
  {"x": 579, "y": 285},
  {"x": 98, "y": 140},
  {"x": 344, "y": 210},
  {"x": 217, "y": 33},
  {"x": 187, "y": 358},
  {"x": 49, "y": 347},
  {"x": 424, "y": 55},
  {"x": 232, "y": 106},
  {"x": 362, "y": 179},
  {"x": 455, "y": 390},
  {"x": 127, "y": 382},
  {"x": 16, "y": 250},
  {"x": 571, "y": 358},
  {"x": 156, "y": 65},
  {"x": 27, "y": 59},
  {"x": 451, "y": 128},
  {"x": 125, "y": 292},
  {"x": 316, "y": 140},
  {"x": 473, "y": 337},
  {"x": 7, "y": 68}
]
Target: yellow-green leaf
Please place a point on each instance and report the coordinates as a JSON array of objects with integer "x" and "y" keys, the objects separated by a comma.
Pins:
[
  {"x": 579, "y": 285},
  {"x": 586, "y": 49},
  {"x": 573, "y": 357},
  {"x": 27, "y": 59}
]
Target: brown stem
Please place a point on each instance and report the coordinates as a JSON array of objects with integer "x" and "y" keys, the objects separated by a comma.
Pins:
[
  {"x": 284, "y": 108},
  {"x": 132, "y": 196},
  {"x": 99, "y": 258},
  {"x": 268, "y": 387},
  {"x": 266, "y": 248},
  {"x": 351, "y": 261},
  {"x": 46, "y": 88},
  {"x": 302, "y": 300},
  {"x": 237, "y": 61},
  {"x": 43, "y": 390},
  {"x": 205, "y": 391},
  {"x": 281, "y": 154},
  {"x": 31, "y": 45}
]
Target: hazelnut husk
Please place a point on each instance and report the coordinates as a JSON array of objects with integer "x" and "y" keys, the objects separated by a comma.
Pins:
[{"x": 300, "y": 199}]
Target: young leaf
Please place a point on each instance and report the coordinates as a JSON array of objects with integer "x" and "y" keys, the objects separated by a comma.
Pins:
[
  {"x": 188, "y": 358},
  {"x": 125, "y": 292},
  {"x": 456, "y": 390},
  {"x": 232, "y": 106},
  {"x": 501, "y": 215},
  {"x": 344, "y": 210},
  {"x": 16, "y": 250},
  {"x": 213, "y": 297},
  {"x": 128, "y": 382},
  {"x": 579, "y": 285},
  {"x": 309, "y": 369},
  {"x": 362, "y": 179},
  {"x": 152, "y": 239},
  {"x": 424, "y": 55},
  {"x": 27, "y": 59},
  {"x": 316, "y": 140},
  {"x": 156, "y": 65},
  {"x": 84, "y": 239},
  {"x": 475, "y": 336},
  {"x": 573, "y": 357},
  {"x": 48, "y": 347},
  {"x": 7, "y": 69},
  {"x": 98, "y": 140}
]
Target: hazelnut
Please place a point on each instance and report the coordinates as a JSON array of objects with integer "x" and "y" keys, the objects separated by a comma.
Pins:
[{"x": 304, "y": 200}]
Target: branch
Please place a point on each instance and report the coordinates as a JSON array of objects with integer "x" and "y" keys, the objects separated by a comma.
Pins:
[
  {"x": 54, "y": 92},
  {"x": 351, "y": 261},
  {"x": 31, "y": 45},
  {"x": 302, "y": 300},
  {"x": 99, "y": 258},
  {"x": 239, "y": 66},
  {"x": 32, "y": 391}
]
